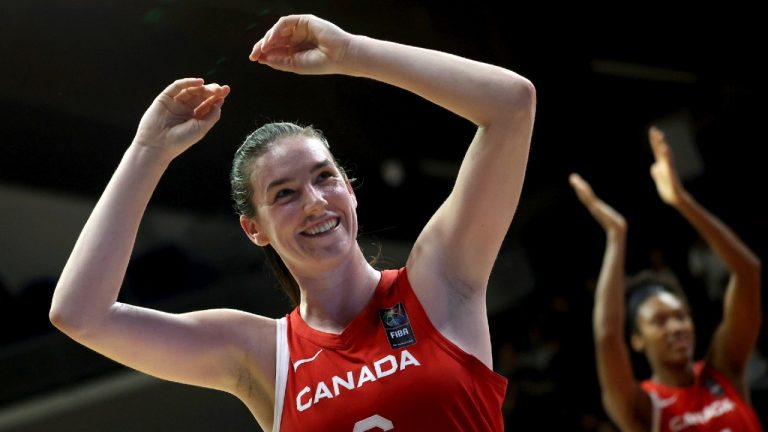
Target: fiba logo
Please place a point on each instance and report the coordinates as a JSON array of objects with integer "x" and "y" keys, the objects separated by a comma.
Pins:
[
  {"x": 394, "y": 317},
  {"x": 397, "y": 327},
  {"x": 714, "y": 387}
]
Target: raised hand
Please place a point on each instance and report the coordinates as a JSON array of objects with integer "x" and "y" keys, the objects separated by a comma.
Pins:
[
  {"x": 606, "y": 216},
  {"x": 181, "y": 115},
  {"x": 302, "y": 44},
  {"x": 663, "y": 169}
]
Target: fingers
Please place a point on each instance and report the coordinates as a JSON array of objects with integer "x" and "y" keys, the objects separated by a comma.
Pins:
[
  {"x": 256, "y": 51},
  {"x": 576, "y": 180},
  {"x": 606, "y": 216},
  {"x": 278, "y": 36},
  {"x": 658, "y": 141},
  {"x": 207, "y": 106},
  {"x": 289, "y": 31},
  {"x": 300, "y": 32},
  {"x": 188, "y": 95},
  {"x": 200, "y": 98},
  {"x": 268, "y": 44},
  {"x": 212, "y": 103},
  {"x": 281, "y": 33},
  {"x": 582, "y": 188},
  {"x": 180, "y": 85}
]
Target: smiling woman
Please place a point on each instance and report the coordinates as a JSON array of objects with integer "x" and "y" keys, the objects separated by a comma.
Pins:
[
  {"x": 364, "y": 349},
  {"x": 260, "y": 152}
]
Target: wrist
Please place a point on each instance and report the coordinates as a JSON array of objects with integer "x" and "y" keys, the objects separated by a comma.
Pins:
[
  {"x": 350, "y": 62},
  {"x": 684, "y": 200},
  {"x": 616, "y": 234},
  {"x": 149, "y": 155}
]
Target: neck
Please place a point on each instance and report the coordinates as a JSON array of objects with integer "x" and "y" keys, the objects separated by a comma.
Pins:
[
  {"x": 331, "y": 299},
  {"x": 674, "y": 376}
]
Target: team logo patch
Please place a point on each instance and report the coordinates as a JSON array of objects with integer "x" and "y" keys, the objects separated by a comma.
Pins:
[
  {"x": 397, "y": 327},
  {"x": 714, "y": 388}
]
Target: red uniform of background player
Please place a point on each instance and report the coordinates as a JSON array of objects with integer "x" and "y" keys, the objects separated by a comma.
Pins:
[{"x": 710, "y": 403}]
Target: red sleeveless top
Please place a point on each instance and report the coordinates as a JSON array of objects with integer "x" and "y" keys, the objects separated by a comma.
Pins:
[
  {"x": 710, "y": 404},
  {"x": 389, "y": 370}
]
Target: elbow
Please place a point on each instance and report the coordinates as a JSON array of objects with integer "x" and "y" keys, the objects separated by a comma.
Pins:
[
  {"x": 530, "y": 92},
  {"x": 508, "y": 103},
  {"x": 519, "y": 106},
  {"x": 524, "y": 96},
  {"x": 750, "y": 270},
  {"x": 513, "y": 107},
  {"x": 61, "y": 319},
  {"x": 68, "y": 320}
]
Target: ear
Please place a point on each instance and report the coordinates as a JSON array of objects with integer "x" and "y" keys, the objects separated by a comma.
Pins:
[
  {"x": 351, "y": 191},
  {"x": 252, "y": 230},
  {"x": 637, "y": 342}
]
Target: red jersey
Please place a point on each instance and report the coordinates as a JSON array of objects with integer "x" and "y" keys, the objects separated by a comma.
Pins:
[
  {"x": 390, "y": 369},
  {"x": 710, "y": 404}
]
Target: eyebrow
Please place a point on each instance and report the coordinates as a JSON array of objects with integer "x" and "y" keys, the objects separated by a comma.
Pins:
[{"x": 278, "y": 182}]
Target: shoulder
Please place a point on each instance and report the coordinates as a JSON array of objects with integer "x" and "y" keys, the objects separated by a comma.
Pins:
[
  {"x": 250, "y": 338},
  {"x": 256, "y": 333},
  {"x": 713, "y": 378},
  {"x": 255, "y": 339},
  {"x": 243, "y": 326}
]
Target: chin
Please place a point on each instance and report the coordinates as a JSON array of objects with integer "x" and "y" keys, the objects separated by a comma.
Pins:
[{"x": 679, "y": 361}]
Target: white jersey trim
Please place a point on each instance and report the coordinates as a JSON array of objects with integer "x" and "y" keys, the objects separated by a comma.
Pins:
[
  {"x": 282, "y": 363},
  {"x": 657, "y": 405}
]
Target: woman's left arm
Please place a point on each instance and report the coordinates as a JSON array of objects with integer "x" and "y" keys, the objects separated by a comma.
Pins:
[
  {"x": 461, "y": 241},
  {"x": 458, "y": 246},
  {"x": 451, "y": 261}
]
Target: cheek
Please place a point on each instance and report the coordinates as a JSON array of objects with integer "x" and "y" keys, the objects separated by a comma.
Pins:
[
  {"x": 273, "y": 217},
  {"x": 340, "y": 194},
  {"x": 651, "y": 332},
  {"x": 689, "y": 324}
]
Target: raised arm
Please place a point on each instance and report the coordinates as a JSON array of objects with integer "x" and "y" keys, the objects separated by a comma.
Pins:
[
  {"x": 467, "y": 231},
  {"x": 452, "y": 259},
  {"x": 196, "y": 348},
  {"x": 736, "y": 336},
  {"x": 622, "y": 396}
]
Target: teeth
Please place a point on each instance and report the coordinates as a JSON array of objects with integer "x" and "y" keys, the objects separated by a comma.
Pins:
[{"x": 322, "y": 228}]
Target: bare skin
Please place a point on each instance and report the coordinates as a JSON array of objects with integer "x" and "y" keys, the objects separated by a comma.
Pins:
[
  {"x": 309, "y": 218},
  {"x": 666, "y": 330}
]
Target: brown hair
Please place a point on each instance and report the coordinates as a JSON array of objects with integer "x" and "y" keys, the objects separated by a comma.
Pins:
[{"x": 254, "y": 146}]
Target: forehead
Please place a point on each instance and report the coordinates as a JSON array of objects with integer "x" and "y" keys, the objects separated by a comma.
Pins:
[
  {"x": 287, "y": 158},
  {"x": 658, "y": 303}
]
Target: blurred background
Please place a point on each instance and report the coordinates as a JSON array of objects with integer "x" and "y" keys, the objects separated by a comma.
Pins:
[{"x": 77, "y": 76}]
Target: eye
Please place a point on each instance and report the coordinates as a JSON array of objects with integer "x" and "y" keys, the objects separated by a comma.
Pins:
[
  {"x": 283, "y": 193},
  {"x": 325, "y": 175}
]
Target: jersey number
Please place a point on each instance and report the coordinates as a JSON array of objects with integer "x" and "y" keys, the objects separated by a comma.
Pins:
[{"x": 373, "y": 422}]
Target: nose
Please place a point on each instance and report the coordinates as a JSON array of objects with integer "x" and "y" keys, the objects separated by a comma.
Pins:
[{"x": 314, "y": 200}]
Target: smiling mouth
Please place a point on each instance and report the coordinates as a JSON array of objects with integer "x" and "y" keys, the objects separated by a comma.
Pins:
[
  {"x": 680, "y": 343},
  {"x": 322, "y": 228}
]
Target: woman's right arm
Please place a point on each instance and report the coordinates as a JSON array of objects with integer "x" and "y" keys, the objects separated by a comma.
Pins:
[
  {"x": 627, "y": 404},
  {"x": 199, "y": 348},
  {"x": 736, "y": 335}
]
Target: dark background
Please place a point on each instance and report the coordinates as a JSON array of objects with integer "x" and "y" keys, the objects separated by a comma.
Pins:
[{"x": 77, "y": 76}]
